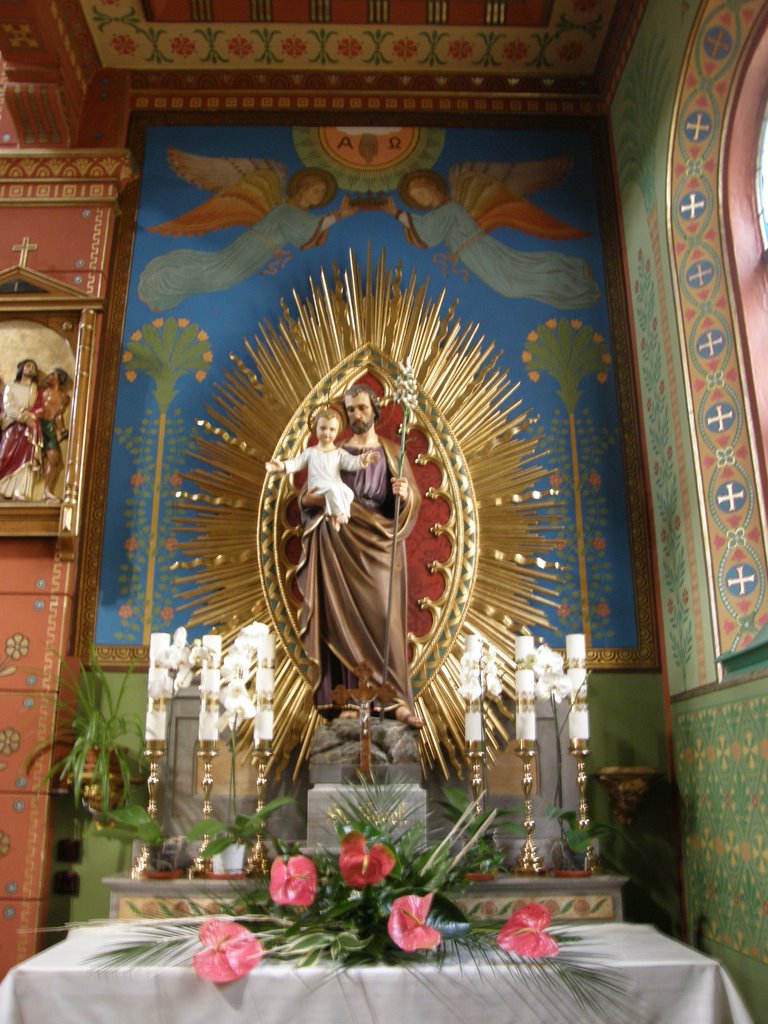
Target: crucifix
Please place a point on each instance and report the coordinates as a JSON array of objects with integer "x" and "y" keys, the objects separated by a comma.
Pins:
[
  {"x": 25, "y": 247},
  {"x": 365, "y": 694}
]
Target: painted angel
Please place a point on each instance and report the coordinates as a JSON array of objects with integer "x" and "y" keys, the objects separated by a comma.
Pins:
[
  {"x": 481, "y": 196},
  {"x": 248, "y": 193}
]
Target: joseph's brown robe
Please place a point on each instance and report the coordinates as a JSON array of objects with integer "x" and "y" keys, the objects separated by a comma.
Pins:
[{"x": 344, "y": 578}]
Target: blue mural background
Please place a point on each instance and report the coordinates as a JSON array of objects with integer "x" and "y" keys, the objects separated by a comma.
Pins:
[{"x": 172, "y": 359}]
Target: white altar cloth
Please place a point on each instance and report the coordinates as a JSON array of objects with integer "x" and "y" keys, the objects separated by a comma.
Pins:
[{"x": 668, "y": 983}]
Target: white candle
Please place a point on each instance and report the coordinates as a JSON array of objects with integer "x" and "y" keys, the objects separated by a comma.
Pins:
[
  {"x": 158, "y": 643},
  {"x": 210, "y": 680},
  {"x": 525, "y": 723},
  {"x": 524, "y": 682},
  {"x": 265, "y": 680},
  {"x": 576, "y": 677},
  {"x": 159, "y": 683},
  {"x": 578, "y": 722},
  {"x": 473, "y": 727},
  {"x": 212, "y": 644},
  {"x": 575, "y": 647},
  {"x": 154, "y": 726},
  {"x": 263, "y": 723},
  {"x": 523, "y": 647},
  {"x": 208, "y": 728},
  {"x": 266, "y": 650}
]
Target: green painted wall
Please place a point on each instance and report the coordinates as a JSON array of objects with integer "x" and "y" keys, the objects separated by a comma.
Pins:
[
  {"x": 721, "y": 757},
  {"x": 720, "y": 742}
]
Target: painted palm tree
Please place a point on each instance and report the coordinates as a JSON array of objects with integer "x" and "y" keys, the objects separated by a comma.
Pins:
[
  {"x": 569, "y": 351},
  {"x": 166, "y": 351}
]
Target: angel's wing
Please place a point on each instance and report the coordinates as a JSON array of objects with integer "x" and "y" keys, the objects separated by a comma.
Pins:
[
  {"x": 244, "y": 190},
  {"x": 494, "y": 193}
]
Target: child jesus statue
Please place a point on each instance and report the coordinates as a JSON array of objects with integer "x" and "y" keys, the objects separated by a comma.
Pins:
[{"x": 324, "y": 463}]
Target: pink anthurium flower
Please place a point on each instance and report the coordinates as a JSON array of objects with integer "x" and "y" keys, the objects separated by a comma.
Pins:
[
  {"x": 360, "y": 867},
  {"x": 230, "y": 951},
  {"x": 407, "y": 925},
  {"x": 524, "y": 932},
  {"x": 293, "y": 882}
]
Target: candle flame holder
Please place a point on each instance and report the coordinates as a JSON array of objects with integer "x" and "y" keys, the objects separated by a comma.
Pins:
[
  {"x": 579, "y": 749},
  {"x": 529, "y": 862},
  {"x": 154, "y": 751},
  {"x": 202, "y": 865}
]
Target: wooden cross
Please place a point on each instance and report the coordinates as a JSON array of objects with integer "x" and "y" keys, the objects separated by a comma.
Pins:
[
  {"x": 25, "y": 247},
  {"x": 365, "y": 694}
]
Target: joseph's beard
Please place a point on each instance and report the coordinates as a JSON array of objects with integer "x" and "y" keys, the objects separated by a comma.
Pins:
[{"x": 362, "y": 426}]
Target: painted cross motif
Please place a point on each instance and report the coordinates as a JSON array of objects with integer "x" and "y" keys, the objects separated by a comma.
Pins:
[
  {"x": 710, "y": 343},
  {"x": 699, "y": 128},
  {"x": 720, "y": 417},
  {"x": 718, "y": 43},
  {"x": 700, "y": 274},
  {"x": 742, "y": 580},
  {"x": 694, "y": 204},
  {"x": 729, "y": 496}
]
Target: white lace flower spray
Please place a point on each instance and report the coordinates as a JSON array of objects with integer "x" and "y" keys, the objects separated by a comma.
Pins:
[
  {"x": 406, "y": 394},
  {"x": 551, "y": 680}
]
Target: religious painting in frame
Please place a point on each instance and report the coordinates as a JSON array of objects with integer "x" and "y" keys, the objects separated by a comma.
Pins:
[{"x": 510, "y": 227}]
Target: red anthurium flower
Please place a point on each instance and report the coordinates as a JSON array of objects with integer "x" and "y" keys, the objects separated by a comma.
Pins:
[
  {"x": 407, "y": 923},
  {"x": 360, "y": 867},
  {"x": 231, "y": 951},
  {"x": 524, "y": 933},
  {"x": 293, "y": 882}
]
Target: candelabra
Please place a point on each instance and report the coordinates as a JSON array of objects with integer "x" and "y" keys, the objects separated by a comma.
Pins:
[
  {"x": 263, "y": 726},
  {"x": 203, "y": 865},
  {"x": 154, "y": 750},
  {"x": 474, "y": 735},
  {"x": 579, "y": 749},
  {"x": 529, "y": 862},
  {"x": 257, "y": 863}
]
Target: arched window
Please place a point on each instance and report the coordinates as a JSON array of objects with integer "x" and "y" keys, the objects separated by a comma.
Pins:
[
  {"x": 762, "y": 183},
  {"x": 746, "y": 217}
]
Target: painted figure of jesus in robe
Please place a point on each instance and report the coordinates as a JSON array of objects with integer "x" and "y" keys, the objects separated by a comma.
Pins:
[{"x": 21, "y": 442}]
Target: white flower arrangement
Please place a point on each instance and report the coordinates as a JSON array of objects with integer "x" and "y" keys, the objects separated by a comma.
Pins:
[{"x": 551, "y": 680}]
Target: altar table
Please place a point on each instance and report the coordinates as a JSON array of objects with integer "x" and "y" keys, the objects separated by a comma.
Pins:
[{"x": 667, "y": 983}]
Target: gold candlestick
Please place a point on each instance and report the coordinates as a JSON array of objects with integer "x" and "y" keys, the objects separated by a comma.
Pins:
[
  {"x": 580, "y": 750},
  {"x": 203, "y": 865},
  {"x": 154, "y": 750},
  {"x": 257, "y": 864},
  {"x": 529, "y": 862}
]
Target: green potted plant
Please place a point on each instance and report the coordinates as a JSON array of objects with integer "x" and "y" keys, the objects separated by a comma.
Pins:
[
  {"x": 242, "y": 831},
  {"x": 575, "y": 840},
  {"x": 101, "y": 738},
  {"x": 484, "y": 857},
  {"x": 133, "y": 823}
]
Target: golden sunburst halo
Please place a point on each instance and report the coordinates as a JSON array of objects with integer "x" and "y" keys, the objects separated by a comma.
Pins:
[{"x": 473, "y": 564}]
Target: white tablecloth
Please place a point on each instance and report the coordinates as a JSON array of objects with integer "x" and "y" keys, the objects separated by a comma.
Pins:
[{"x": 667, "y": 983}]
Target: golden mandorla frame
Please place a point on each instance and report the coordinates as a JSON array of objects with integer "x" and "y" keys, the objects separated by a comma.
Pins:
[{"x": 470, "y": 438}]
